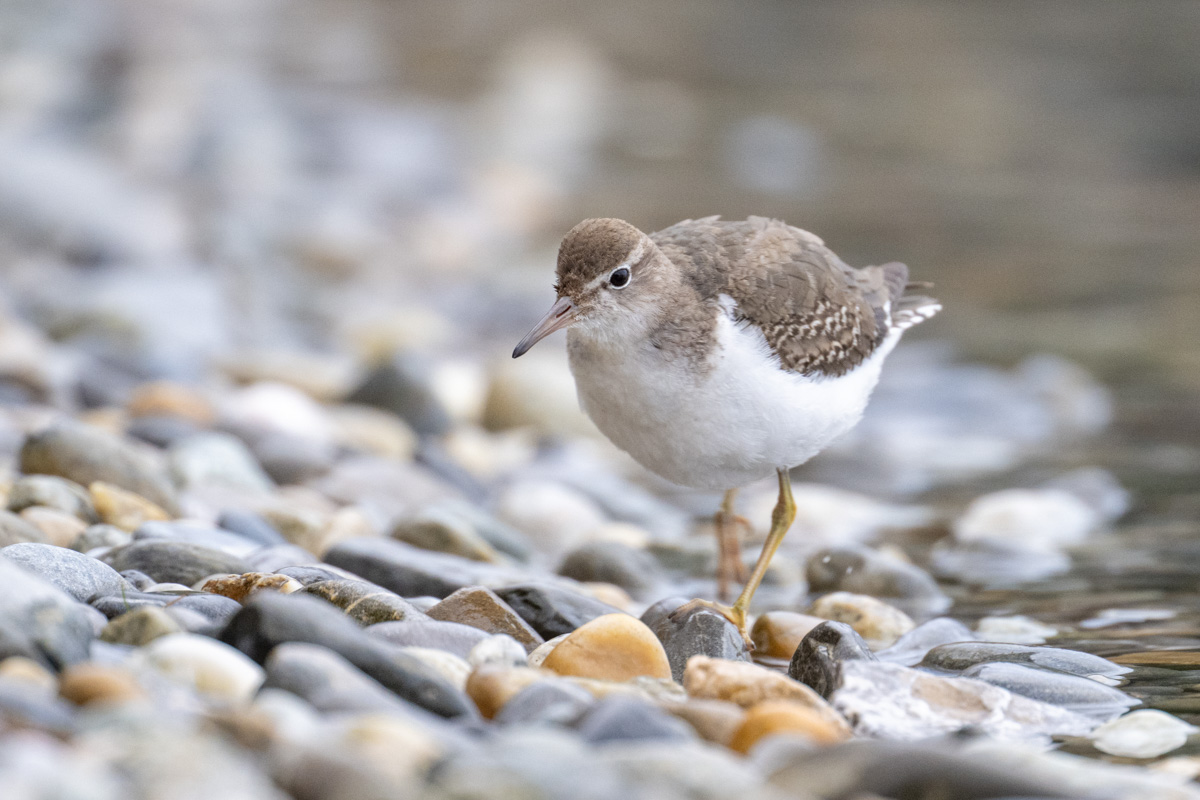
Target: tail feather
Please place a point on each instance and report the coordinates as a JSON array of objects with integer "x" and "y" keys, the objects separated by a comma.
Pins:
[{"x": 914, "y": 309}]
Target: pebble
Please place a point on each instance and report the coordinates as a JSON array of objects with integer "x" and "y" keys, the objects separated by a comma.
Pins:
[
  {"x": 52, "y": 492},
  {"x": 250, "y": 526},
  {"x": 169, "y": 399},
  {"x": 58, "y": 527},
  {"x": 198, "y": 612},
  {"x": 169, "y": 561},
  {"x": 955, "y": 657},
  {"x": 402, "y": 387},
  {"x": 123, "y": 509},
  {"x": 364, "y": 602},
  {"x": 614, "y": 647},
  {"x": 625, "y": 719},
  {"x": 910, "y": 648},
  {"x": 490, "y": 687},
  {"x": 328, "y": 681},
  {"x": 541, "y": 651},
  {"x": 1146, "y": 733},
  {"x": 371, "y": 430},
  {"x": 444, "y": 533},
  {"x": 700, "y": 631},
  {"x": 783, "y": 717},
  {"x": 453, "y": 637},
  {"x": 410, "y": 571},
  {"x": 139, "y": 626},
  {"x": 45, "y": 615},
  {"x": 27, "y": 670},
  {"x": 198, "y": 534},
  {"x": 269, "y": 619},
  {"x": 863, "y": 571},
  {"x": 90, "y": 683},
  {"x": 14, "y": 529},
  {"x": 552, "y": 610},
  {"x": 748, "y": 685},
  {"x": 453, "y": 669},
  {"x": 819, "y": 656},
  {"x": 550, "y": 701},
  {"x": 714, "y": 720},
  {"x": 877, "y": 622},
  {"x": 632, "y": 569},
  {"x": 216, "y": 459},
  {"x": 101, "y": 535},
  {"x": 777, "y": 634},
  {"x": 212, "y": 668},
  {"x": 1040, "y": 520},
  {"x": 498, "y": 649},
  {"x": 482, "y": 608},
  {"x": 86, "y": 455},
  {"x": 78, "y": 575},
  {"x": 239, "y": 587},
  {"x": 1016, "y": 629},
  {"x": 1072, "y": 692},
  {"x": 890, "y": 701}
]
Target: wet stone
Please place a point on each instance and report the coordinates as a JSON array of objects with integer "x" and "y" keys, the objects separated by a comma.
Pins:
[
  {"x": 85, "y": 455},
  {"x": 270, "y": 619},
  {"x": 962, "y": 656},
  {"x": 174, "y": 562},
  {"x": 78, "y": 575},
  {"x": 818, "y": 659},
  {"x": 481, "y": 608},
  {"x": 875, "y": 621},
  {"x": 15, "y": 530},
  {"x": 250, "y": 526},
  {"x": 613, "y": 647},
  {"x": 777, "y": 634},
  {"x": 555, "y": 702},
  {"x": 698, "y": 631},
  {"x": 912, "y": 647},
  {"x": 52, "y": 492},
  {"x": 633, "y": 570},
  {"x": 619, "y": 719},
  {"x": 139, "y": 626},
  {"x": 861, "y": 570},
  {"x": 410, "y": 571},
  {"x": 1142, "y": 734},
  {"x": 452, "y": 637},
  {"x": 552, "y": 610},
  {"x": 1072, "y": 692},
  {"x": 364, "y": 602}
]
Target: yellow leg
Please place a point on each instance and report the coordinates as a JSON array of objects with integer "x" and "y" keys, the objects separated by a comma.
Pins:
[
  {"x": 730, "y": 566},
  {"x": 781, "y": 519}
]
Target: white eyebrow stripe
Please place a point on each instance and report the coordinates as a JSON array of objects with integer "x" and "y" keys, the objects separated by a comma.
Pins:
[{"x": 635, "y": 256}]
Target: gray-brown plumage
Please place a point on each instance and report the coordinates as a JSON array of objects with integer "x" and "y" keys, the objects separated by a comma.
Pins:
[{"x": 819, "y": 315}]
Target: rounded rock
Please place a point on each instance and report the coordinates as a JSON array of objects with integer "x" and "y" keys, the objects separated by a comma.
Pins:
[
  {"x": 615, "y": 647},
  {"x": 239, "y": 587},
  {"x": 877, "y": 622},
  {"x": 1146, "y": 733},
  {"x": 777, "y": 634},
  {"x": 212, "y": 668},
  {"x": 776, "y": 717},
  {"x": 123, "y": 508},
  {"x": 139, "y": 626},
  {"x": 89, "y": 683}
]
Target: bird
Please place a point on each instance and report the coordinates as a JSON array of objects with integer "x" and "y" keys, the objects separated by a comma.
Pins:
[{"x": 718, "y": 353}]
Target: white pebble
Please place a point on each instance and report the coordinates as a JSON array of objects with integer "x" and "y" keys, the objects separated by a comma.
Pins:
[
  {"x": 1142, "y": 734},
  {"x": 1042, "y": 520},
  {"x": 499, "y": 648},
  {"x": 212, "y": 668},
  {"x": 1013, "y": 630}
]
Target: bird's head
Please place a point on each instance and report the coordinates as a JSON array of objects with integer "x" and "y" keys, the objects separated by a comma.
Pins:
[{"x": 608, "y": 272}]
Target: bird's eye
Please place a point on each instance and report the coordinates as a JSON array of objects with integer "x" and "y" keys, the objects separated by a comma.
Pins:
[{"x": 619, "y": 278}]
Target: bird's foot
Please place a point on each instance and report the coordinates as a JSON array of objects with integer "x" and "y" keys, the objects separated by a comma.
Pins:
[{"x": 734, "y": 614}]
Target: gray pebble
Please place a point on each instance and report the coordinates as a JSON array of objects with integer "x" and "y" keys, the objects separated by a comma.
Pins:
[
  {"x": 616, "y": 718},
  {"x": 53, "y": 492},
  {"x": 80, "y": 576},
  {"x": 817, "y": 661},
  {"x": 170, "y": 561},
  {"x": 633, "y": 570},
  {"x": 553, "y": 610}
]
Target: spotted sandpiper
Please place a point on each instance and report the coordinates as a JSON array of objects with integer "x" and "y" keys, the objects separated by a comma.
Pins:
[{"x": 717, "y": 352}]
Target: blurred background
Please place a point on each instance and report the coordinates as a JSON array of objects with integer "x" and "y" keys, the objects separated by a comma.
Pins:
[{"x": 246, "y": 190}]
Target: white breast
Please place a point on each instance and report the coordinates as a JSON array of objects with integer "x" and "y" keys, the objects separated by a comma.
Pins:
[{"x": 735, "y": 424}]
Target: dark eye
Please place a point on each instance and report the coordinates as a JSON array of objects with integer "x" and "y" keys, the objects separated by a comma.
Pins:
[{"x": 619, "y": 278}]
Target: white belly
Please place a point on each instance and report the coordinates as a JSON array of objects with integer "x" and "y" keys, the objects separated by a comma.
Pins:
[{"x": 733, "y": 425}]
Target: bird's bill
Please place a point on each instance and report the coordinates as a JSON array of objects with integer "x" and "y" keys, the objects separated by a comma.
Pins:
[{"x": 560, "y": 315}]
